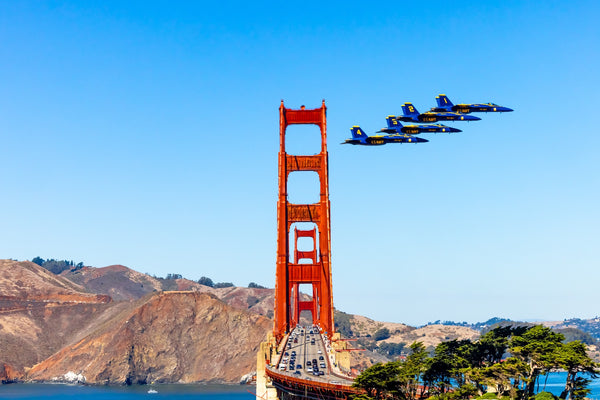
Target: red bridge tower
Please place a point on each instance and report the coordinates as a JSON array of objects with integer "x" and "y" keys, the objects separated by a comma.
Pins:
[{"x": 290, "y": 272}]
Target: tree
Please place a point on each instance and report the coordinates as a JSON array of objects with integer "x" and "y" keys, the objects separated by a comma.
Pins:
[
  {"x": 381, "y": 334},
  {"x": 447, "y": 364},
  {"x": 38, "y": 260},
  {"x": 537, "y": 347},
  {"x": 253, "y": 285},
  {"x": 573, "y": 358},
  {"x": 206, "y": 281},
  {"x": 411, "y": 370},
  {"x": 223, "y": 285},
  {"x": 379, "y": 380}
]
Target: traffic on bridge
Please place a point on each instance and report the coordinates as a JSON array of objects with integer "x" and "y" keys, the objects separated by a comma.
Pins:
[{"x": 308, "y": 355}]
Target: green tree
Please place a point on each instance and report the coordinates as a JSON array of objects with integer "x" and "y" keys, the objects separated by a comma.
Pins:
[
  {"x": 448, "y": 363},
  {"x": 206, "y": 281},
  {"x": 253, "y": 285},
  {"x": 38, "y": 260},
  {"x": 537, "y": 347},
  {"x": 573, "y": 358},
  {"x": 381, "y": 334},
  {"x": 379, "y": 380},
  {"x": 411, "y": 371},
  {"x": 223, "y": 285}
]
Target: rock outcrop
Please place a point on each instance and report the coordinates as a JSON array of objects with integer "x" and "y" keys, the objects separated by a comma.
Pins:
[{"x": 169, "y": 337}]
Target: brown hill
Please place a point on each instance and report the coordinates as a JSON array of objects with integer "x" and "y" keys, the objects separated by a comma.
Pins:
[
  {"x": 28, "y": 281},
  {"x": 168, "y": 337},
  {"x": 116, "y": 281},
  {"x": 40, "y": 313},
  {"x": 122, "y": 283}
]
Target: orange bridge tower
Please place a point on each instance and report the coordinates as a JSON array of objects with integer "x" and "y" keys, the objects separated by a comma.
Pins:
[{"x": 296, "y": 267}]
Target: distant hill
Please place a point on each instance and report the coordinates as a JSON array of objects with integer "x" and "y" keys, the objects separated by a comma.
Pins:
[{"x": 586, "y": 330}]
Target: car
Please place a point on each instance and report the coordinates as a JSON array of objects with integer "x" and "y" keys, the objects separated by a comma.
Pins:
[
  {"x": 321, "y": 373},
  {"x": 297, "y": 373},
  {"x": 293, "y": 352},
  {"x": 309, "y": 369},
  {"x": 291, "y": 367},
  {"x": 322, "y": 365},
  {"x": 286, "y": 354},
  {"x": 321, "y": 358},
  {"x": 298, "y": 366},
  {"x": 308, "y": 363},
  {"x": 318, "y": 352}
]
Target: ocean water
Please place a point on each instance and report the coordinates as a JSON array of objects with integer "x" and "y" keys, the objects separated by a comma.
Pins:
[
  {"x": 554, "y": 384},
  {"x": 77, "y": 392}
]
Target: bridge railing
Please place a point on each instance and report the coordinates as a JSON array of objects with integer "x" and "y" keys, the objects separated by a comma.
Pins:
[{"x": 314, "y": 384}]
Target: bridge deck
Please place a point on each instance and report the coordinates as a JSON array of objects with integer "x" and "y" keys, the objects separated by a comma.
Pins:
[{"x": 295, "y": 372}]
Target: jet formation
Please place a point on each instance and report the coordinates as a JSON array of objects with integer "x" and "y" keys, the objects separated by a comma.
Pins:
[{"x": 445, "y": 111}]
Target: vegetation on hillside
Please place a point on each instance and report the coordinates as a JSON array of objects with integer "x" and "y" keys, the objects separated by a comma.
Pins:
[
  {"x": 57, "y": 266},
  {"x": 508, "y": 361}
]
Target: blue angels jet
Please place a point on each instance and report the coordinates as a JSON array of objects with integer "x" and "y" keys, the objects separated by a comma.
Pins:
[
  {"x": 360, "y": 137},
  {"x": 393, "y": 126},
  {"x": 445, "y": 105},
  {"x": 410, "y": 114}
]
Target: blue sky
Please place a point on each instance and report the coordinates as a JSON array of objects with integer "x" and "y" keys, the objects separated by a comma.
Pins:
[{"x": 146, "y": 134}]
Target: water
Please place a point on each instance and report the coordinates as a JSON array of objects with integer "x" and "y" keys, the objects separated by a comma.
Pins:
[
  {"x": 555, "y": 384},
  {"x": 77, "y": 392}
]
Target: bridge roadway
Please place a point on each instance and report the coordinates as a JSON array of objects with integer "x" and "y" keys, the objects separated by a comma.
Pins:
[{"x": 295, "y": 373}]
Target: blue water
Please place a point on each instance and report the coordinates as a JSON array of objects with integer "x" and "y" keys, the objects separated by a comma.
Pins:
[
  {"x": 76, "y": 392},
  {"x": 555, "y": 384}
]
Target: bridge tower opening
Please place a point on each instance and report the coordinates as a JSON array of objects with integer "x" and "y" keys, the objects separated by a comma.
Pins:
[{"x": 298, "y": 267}]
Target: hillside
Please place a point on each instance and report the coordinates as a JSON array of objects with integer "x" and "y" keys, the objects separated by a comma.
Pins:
[
  {"x": 169, "y": 337},
  {"x": 40, "y": 313}
]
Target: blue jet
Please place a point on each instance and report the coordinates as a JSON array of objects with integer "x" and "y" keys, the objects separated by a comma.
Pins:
[
  {"x": 410, "y": 114},
  {"x": 444, "y": 105},
  {"x": 393, "y": 126},
  {"x": 360, "y": 137}
]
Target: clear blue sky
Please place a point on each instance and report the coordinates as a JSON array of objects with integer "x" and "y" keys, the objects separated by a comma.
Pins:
[{"x": 145, "y": 133}]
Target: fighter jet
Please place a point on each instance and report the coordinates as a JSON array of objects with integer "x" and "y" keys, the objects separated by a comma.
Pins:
[
  {"x": 393, "y": 126},
  {"x": 360, "y": 137},
  {"x": 410, "y": 114},
  {"x": 444, "y": 105}
]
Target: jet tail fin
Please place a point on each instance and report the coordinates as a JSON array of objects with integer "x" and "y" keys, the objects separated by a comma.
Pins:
[
  {"x": 393, "y": 123},
  {"x": 409, "y": 110},
  {"x": 444, "y": 102},
  {"x": 358, "y": 133}
]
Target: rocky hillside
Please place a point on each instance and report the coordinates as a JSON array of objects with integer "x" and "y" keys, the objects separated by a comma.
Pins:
[
  {"x": 169, "y": 337},
  {"x": 40, "y": 313}
]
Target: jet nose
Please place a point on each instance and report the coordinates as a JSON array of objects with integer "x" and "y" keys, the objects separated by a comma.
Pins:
[
  {"x": 454, "y": 130},
  {"x": 505, "y": 109},
  {"x": 473, "y": 118}
]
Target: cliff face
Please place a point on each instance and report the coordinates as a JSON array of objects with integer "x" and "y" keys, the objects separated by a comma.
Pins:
[
  {"x": 170, "y": 337},
  {"x": 39, "y": 314}
]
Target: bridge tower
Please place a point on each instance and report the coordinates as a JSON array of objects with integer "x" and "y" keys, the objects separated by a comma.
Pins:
[{"x": 290, "y": 271}]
